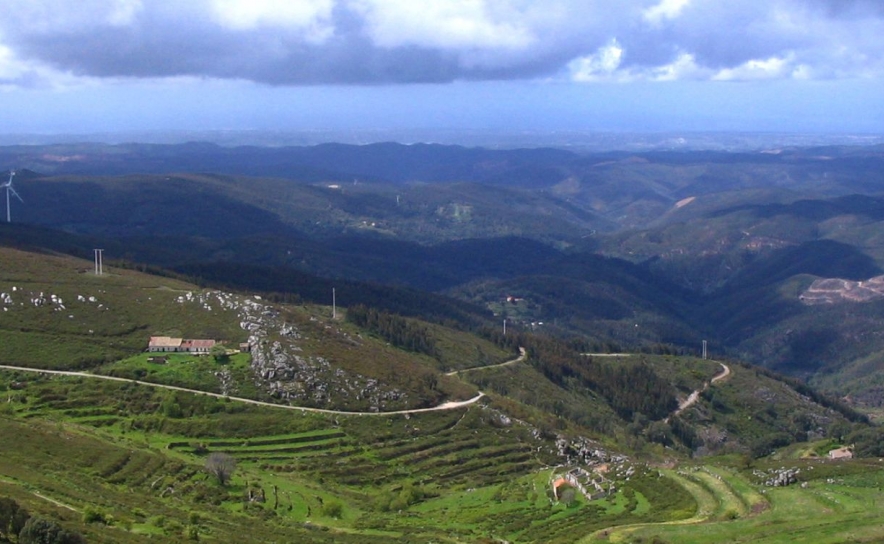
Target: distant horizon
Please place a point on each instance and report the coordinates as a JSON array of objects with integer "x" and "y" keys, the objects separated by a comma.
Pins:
[{"x": 591, "y": 141}]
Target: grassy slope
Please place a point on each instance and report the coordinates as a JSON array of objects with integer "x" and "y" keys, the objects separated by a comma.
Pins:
[
  {"x": 103, "y": 446},
  {"x": 840, "y": 503},
  {"x": 106, "y": 321},
  {"x": 83, "y": 443},
  {"x": 464, "y": 475},
  {"x": 118, "y": 313}
]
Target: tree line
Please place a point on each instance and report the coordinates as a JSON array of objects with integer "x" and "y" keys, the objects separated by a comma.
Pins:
[
  {"x": 395, "y": 329},
  {"x": 629, "y": 387}
]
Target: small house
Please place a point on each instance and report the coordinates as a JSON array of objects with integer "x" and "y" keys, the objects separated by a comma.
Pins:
[
  {"x": 185, "y": 345},
  {"x": 197, "y": 346},
  {"x": 841, "y": 453},
  {"x": 163, "y": 343}
]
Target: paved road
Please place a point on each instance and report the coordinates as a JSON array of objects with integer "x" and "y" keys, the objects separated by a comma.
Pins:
[
  {"x": 451, "y": 405},
  {"x": 519, "y": 359}
]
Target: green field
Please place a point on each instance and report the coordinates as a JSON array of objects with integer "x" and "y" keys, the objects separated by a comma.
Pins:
[
  {"x": 122, "y": 461},
  {"x": 84, "y": 444},
  {"x": 836, "y": 502}
]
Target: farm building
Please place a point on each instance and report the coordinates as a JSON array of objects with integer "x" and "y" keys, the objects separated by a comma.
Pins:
[
  {"x": 166, "y": 344},
  {"x": 841, "y": 453}
]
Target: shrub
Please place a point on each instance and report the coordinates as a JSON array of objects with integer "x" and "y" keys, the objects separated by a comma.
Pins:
[
  {"x": 91, "y": 515},
  {"x": 332, "y": 509},
  {"x": 43, "y": 531},
  {"x": 194, "y": 518},
  {"x": 568, "y": 497},
  {"x": 173, "y": 527}
]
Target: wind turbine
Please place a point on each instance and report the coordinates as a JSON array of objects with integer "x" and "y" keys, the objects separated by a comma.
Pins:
[{"x": 10, "y": 189}]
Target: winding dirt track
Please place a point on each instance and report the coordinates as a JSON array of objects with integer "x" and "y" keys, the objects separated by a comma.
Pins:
[
  {"x": 695, "y": 396},
  {"x": 522, "y": 355},
  {"x": 451, "y": 405}
]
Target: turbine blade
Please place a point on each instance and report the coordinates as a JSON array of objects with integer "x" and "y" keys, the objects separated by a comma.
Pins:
[{"x": 16, "y": 194}]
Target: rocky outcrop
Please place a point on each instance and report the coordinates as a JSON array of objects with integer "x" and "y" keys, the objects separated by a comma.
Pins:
[
  {"x": 835, "y": 291},
  {"x": 282, "y": 369}
]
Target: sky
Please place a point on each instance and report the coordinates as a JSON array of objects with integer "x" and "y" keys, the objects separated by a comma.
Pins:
[{"x": 88, "y": 66}]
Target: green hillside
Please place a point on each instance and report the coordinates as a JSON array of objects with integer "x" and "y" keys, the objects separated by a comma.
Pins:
[
  {"x": 405, "y": 412},
  {"x": 119, "y": 461}
]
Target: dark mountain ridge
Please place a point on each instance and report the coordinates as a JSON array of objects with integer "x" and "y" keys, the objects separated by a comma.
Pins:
[{"x": 631, "y": 249}]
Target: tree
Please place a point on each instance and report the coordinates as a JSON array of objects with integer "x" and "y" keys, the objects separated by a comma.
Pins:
[
  {"x": 43, "y": 531},
  {"x": 221, "y": 466},
  {"x": 12, "y": 519},
  {"x": 219, "y": 353},
  {"x": 569, "y": 495}
]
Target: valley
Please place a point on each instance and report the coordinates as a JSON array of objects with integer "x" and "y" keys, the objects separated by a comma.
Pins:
[{"x": 435, "y": 343}]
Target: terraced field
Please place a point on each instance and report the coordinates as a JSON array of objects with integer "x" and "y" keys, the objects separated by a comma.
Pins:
[
  {"x": 835, "y": 502},
  {"x": 467, "y": 473},
  {"x": 447, "y": 453},
  {"x": 134, "y": 456}
]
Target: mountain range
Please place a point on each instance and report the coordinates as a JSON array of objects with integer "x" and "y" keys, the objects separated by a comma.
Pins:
[{"x": 654, "y": 251}]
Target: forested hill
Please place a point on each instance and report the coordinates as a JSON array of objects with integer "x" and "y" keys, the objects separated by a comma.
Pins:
[
  {"x": 656, "y": 250},
  {"x": 387, "y": 162}
]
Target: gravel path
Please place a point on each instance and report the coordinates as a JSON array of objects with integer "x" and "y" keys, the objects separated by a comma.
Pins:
[
  {"x": 519, "y": 359},
  {"x": 450, "y": 405}
]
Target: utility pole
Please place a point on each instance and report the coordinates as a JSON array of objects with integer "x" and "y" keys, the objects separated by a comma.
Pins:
[
  {"x": 334, "y": 305},
  {"x": 704, "y": 349},
  {"x": 504, "y": 326},
  {"x": 99, "y": 269}
]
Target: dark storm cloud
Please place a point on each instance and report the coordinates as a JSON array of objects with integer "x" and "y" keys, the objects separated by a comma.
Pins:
[{"x": 404, "y": 41}]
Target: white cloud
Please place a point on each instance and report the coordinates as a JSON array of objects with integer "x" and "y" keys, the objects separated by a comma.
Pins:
[
  {"x": 10, "y": 67},
  {"x": 771, "y": 68},
  {"x": 445, "y": 24},
  {"x": 293, "y": 42},
  {"x": 313, "y": 15},
  {"x": 602, "y": 65},
  {"x": 683, "y": 67},
  {"x": 124, "y": 12},
  {"x": 666, "y": 9},
  {"x": 17, "y": 73}
]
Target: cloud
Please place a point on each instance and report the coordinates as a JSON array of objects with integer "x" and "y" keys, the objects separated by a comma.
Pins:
[
  {"x": 600, "y": 66},
  {"x": 666, "y": 9},
  {"x": 370, "y": 42},
  {"x": 772, "y": 68},
  {"x": 444, "y": 24},
  {"x": 682, "y": 68},
  {"x": 311, "y": 17}
]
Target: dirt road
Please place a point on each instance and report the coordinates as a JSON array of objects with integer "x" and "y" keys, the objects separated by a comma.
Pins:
[
  {"x": 695, "y": 396},
  {"x": 519, "y": 359},
  {"x": 450, "y": 405}
]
